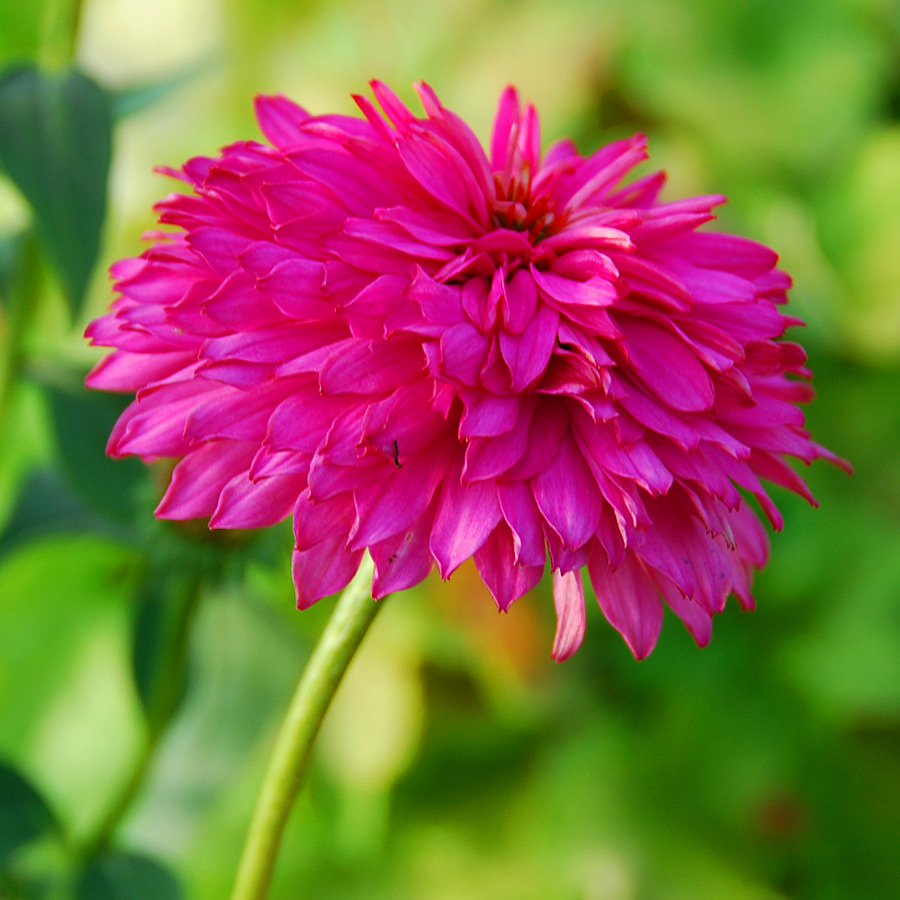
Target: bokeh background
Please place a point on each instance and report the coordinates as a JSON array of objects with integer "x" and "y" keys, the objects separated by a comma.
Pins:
[{"x": 144, "y": 667}]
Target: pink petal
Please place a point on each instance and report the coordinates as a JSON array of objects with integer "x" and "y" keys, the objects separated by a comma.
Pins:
[
  {"x": 403, "y": 560},
  {"x": 505, "y": 577},
  {"x": 367, "y": 367},
  {"x": 488, "y": 415},
  {"x": 506, "y": 124},
  {"x": 528, "y": 353},
  {"x": 565, "y": 292},
  {"x": 568, "y": 598},
  {"x": 548, "y": 427},
  {"x": 318, "y": 520},
  {"x": 153, "y": 425},
  {"x": 630, "y": 601},
  {"x": 440, "y": 303},
  {"x": 464, "y": 351},
  {"x": 124, "y": 371},
  {"x": 489, "y": 457},
  {"x": 233, "y": 413},
  {"x": 567, "y": 477},
  {"x": 519, "y": 301},
  {"x": 323, "y": 570},
  {"x": 697, "y": 620},
  {"x": 256, "y": 504},
  {"x": 466, "y": 515},
  {"x": 199, "y": 478},
  {"x": 392, "y": 502},
  {"x": 524, "y": 519},
  {"x": 296, "y": 287},
  {"x": 280, "y": 120},
  {"x": 669, "y": 368}
]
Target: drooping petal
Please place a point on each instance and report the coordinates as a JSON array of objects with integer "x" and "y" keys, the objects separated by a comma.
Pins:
[
  {"x": 506, "y": 578},
  {"x": 568, "y": 597},
  {"x": 630, "y": 600},
  {"x": 466, "y": 515}
]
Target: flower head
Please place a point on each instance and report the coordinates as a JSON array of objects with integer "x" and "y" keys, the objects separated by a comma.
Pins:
[{"x": 436, "y": 353}]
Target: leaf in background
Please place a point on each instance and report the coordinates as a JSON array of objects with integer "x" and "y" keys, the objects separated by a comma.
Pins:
[
  {"x": 21, "y": 29},
  {"x": 133, "y": 100},
  {"x": 47, "y": 506},
  {"x": 83, "y": 421},
  {"x": 11, "y": 246},
  {"x": 24, "y": 815},
  {"x": 126, "y": 876},
  {"x": 55, "y": 144},
  {"x": 159, "y": 644}
]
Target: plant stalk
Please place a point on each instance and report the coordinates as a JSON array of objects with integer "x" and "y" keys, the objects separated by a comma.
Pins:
[{"x": 352, "y": 616}]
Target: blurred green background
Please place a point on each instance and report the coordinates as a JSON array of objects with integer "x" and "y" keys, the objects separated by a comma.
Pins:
[{"x": 145, "y": 667}]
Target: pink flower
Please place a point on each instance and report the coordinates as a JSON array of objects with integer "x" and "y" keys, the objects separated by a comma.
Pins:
[{"x": 433, "y": 353}]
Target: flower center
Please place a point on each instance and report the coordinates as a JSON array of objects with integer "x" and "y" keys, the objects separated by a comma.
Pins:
[{"x": 516, "y": 208}]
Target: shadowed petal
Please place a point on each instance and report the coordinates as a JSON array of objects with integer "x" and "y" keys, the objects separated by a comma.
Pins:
[
  {"x": 506, "y": 579},
  {"x": 466, "y": 515},
  {"x": 403, "y": 560},
  {"x": 565, "y": 477},
  {"x": 630, "y": 600}
]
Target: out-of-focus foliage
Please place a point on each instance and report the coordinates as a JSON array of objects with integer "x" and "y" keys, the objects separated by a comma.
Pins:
[
  {"x": 55, "y": 136},
  {"x": 145, "y": 666}
]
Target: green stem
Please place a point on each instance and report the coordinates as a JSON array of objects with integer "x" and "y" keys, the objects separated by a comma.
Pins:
[{"x": 349, "y": 622}]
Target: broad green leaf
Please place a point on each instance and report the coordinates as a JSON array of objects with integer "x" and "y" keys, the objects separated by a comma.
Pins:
[
  {"x": 24, "y": 815},
  {"x": 55, "y": 145},
  {"x": 83, "y": 422},
  {"x": 127, "y": 876}
]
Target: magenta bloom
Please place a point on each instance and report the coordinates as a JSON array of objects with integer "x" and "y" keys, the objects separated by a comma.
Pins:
[{"x": 435, "y": 353}]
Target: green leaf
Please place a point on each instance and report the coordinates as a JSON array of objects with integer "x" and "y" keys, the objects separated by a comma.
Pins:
[
  {"x": 24, "y": 815},
  {"x": 83, "y": 421},
  {"x": 21, "y": 29},
  {"x": 55, "y": 145},
  {"x": 11, "y": 246},
  {"x": 127, "y": 876},
  {"x": 133, "y": 100},
  {"x": 159, "y": 644},
  {"x": 47, "y": 506}
]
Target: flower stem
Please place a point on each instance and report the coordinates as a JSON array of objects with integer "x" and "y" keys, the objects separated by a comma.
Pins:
[{"x": 352, "y": 616}]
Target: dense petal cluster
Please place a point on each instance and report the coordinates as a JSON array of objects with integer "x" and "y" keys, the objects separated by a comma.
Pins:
[{"x": 437, "y": 353}]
